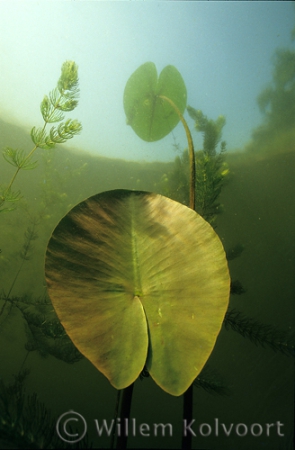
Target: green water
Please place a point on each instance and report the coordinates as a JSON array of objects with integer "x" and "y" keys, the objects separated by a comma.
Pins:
[{"x": 258, "y": 213}]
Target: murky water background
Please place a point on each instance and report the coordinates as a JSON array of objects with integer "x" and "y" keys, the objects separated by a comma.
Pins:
[{"x": 258, "y": 214}]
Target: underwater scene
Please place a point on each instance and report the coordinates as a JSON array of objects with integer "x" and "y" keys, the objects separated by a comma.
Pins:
[{"x": 147, "y": 225}]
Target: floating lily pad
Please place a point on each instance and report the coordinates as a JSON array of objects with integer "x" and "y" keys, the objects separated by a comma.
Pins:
[
  {"x": 150, "y": 116},
  {"x": 138, "y": 279}
]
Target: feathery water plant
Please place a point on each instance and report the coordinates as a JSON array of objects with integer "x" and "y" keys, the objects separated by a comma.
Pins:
[
  {"x": 261, "y": 334},
  {"x": 63, "y": 98},
  {"x": 30, "y": 235},
  {"x": 25, "y": 422},
  {"x": 211, "y": 381},
  {"x": 44, "y": 332},
  {"x": 211, "y": 170}
]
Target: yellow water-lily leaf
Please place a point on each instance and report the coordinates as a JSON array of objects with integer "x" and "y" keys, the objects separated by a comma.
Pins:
[{"x": 139, "y": 280}]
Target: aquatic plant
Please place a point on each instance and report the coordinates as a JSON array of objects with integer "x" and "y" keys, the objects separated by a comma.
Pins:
[
  {"x": 44, "y": 331},
  {"x": 115, "y": 245},
  {"x": 111, "y": 251},
  {"x": 122, "y": 254},
  {"x": 259, "y": 333},
  {"x": 210, "y": 381},
  {"x": 112, "y": 241},
  {"x": 25, "y": 422},
  {"x": 128, "y": 258},
  {"x": 153, "y": 107},
  {"x": 211, "y": 170},
  {"x": 24, "y": 254},
  {"x": 211, "y": 167},
  {"x": 63, "y": 98}
]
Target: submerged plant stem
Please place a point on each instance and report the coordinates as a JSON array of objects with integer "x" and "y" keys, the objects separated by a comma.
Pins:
[
  {"x": 188, "y": 395},
  {"x": 62, "y": 99},
  {"x": 126, "y": 399},
  {"x": 118, "y": 400},
  {"x": 187, "y": 416},
  {"x": 27, "y": 158},
  {"x": 191, "y": 151}
]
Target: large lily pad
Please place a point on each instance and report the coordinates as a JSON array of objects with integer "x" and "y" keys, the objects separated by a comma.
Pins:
[
  {"x": 138, "y": 279},
  {"x": 150, "y": 116}
]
